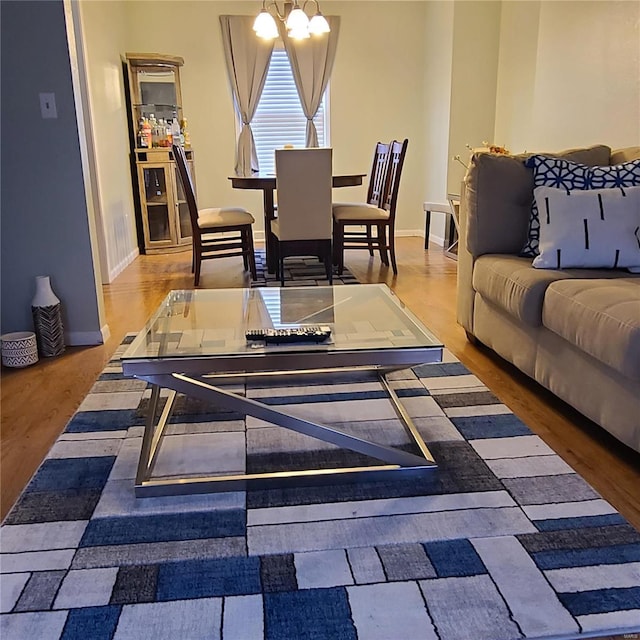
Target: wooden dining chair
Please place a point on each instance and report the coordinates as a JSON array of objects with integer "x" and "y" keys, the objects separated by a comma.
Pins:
[
  {"x": 303, "y": 226},
  {"x": 374, "y": 193},
  {"x": 382, "y": 217},
  {"x": 208, "y": 225}
]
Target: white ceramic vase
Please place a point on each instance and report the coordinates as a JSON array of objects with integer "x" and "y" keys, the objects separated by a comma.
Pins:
[
  {"x": 44, "y": 293},
  {"x": 47, "y": 318}
]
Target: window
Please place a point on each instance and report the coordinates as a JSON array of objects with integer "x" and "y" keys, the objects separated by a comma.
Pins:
[{"x": 279, "y": 119}]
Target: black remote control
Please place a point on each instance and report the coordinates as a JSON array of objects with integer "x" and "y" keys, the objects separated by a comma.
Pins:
[
  {"x": 254, "y": 335},
  {"x": 289, "y": 336}
]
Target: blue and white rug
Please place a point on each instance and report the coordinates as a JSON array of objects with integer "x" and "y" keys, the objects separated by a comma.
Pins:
[
  {"x": 298, "y": 272},
  {"x": 503, "y": 541}
]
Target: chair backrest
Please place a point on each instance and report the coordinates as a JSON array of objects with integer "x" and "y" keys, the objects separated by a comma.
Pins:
[
  {"x": 303, "y": 181},
  {"x": 395, "y": 162},
  {"x": 378, "y": 174},
  {"x": 187, "y": 185}
]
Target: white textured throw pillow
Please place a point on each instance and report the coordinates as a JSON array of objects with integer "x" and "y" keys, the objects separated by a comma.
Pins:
[{"x": 597, "y": 228}]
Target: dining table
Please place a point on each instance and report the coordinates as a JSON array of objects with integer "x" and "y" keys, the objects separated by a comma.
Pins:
[{"x": 267, "y": 183}]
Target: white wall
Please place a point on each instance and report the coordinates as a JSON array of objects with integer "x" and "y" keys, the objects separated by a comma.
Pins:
[
  {"x": 377, "y": 93},
  {"x": 436, "y": 82},
  {"x": 569, "y": 75},
  {"x": 476, "y": 38},
  {"x": 516, "y": 74},
  {"x": 104, "y": 30}
]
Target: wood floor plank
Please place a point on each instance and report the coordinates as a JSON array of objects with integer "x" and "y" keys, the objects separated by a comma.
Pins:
[{"x": 38, "y": 401}]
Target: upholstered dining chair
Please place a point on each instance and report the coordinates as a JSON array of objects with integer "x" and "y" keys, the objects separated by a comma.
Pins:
[
  {"x": 374, "y": 192},
  {"x": 380, "y": 216},
  {"x": 209, "y": 225},
  {"x": 303, "y": 226}
]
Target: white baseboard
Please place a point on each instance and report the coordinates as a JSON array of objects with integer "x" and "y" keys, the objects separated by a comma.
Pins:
[
  {"x": 106, "y": 333},
  {"x": 122, "y": 265},
  {"x": 420, "y": 234},
  {"x": 86, "y": 338},
  {"x": 408, "y": 233}
]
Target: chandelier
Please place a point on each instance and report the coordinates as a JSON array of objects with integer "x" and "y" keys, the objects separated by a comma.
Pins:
[{"x": 299, "y": 25}]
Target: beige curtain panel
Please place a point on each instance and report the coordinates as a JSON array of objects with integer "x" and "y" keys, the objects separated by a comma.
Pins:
[
  {"x": 247, "y": 58},
  {"x": 311, "y": 62}
]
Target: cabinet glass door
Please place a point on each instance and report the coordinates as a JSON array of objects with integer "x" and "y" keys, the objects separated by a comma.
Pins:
[
  {"x": 155, "y": 186},
  {"x": 184, "y": 220}
]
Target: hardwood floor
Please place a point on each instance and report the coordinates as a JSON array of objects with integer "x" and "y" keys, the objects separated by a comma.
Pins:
[{"x": 38, "y": 401}]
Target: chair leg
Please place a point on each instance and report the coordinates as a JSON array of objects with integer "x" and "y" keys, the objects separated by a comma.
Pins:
[
  {"x": 197, "y": 261},
  {"x": 370, "y": 240},
  {"x": 338, "y": 243},
  {"x": 272, "y": 250},
  {"x": 244, "y": 240},
  {"x": 245, "y": 259},
  {"x": 382, "y": 240},
  {"x": 328, "y": 264},
  {"x": 281, "y": 269},
  {"x": 334, "y": 235},
  {"x": 392, "y": 250},
  {"x": 251, "y": 254}
]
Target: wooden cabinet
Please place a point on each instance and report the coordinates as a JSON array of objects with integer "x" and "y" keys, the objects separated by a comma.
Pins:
[
  {"x": 166, "y": 225},
  {"x": 154, "y": 94}
]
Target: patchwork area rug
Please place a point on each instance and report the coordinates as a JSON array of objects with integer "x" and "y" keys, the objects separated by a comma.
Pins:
[
  {"x": 298, "y": 272},
  {"x": 503, "y": 541}
]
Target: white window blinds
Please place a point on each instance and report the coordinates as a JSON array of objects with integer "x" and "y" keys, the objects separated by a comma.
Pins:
[{"x": 279, "y": 119}]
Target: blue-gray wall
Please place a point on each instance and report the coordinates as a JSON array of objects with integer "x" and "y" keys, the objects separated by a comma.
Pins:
[{"x": 45, "y": 228}]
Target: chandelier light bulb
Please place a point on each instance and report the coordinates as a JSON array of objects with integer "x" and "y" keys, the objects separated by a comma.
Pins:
[
  {"x": 297, "y": 20},
  {"x": 265, "y": 26},
  {"x": 318, "y": 25},
  {"x": 299, "y": 34}
]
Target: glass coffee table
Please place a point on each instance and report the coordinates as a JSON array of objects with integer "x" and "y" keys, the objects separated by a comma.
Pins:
[{"x": 196, "y": 343}]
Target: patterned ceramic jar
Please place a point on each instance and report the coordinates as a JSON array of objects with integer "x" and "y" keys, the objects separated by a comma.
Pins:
[{"x": 19, "y": 349}]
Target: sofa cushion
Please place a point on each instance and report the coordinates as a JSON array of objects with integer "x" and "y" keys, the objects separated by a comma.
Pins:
[
  {"x": 514, "y": 286},
  {"x": 511, "y": 284},
  {"x": 600, "y": 317},
  {"x": 596, "y": 228},
  {"x": 562, "y": 173},
  {"x": 498, "y": 195}
]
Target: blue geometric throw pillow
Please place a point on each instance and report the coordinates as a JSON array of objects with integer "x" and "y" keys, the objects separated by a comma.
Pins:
[
  {"x": 568, "y": 175},
  {"x": 626, "y": 174}
]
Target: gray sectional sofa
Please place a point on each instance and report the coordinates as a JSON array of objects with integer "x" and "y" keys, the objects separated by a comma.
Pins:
[{"x": 575, "y": 331}]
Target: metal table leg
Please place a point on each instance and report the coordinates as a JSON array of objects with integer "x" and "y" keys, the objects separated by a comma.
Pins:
[{"x": 396, "y": 460}]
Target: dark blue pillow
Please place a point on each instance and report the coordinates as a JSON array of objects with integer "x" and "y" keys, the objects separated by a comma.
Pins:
[{"x": 565, "y": 174}]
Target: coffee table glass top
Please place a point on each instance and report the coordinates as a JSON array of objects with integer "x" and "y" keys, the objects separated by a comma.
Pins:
[{"x": 213, "y": 322}]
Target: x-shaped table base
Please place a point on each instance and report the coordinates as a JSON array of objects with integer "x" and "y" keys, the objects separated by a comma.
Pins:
[{"x": 396, "y": 460}]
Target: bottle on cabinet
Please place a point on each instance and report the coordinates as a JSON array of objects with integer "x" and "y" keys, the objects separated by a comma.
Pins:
[
  {"x": 141, "y": 137},
  {"x": 145, "y": 140},
  {"x": 176, "y": 134},
  {"x": 186, "y": 139}
]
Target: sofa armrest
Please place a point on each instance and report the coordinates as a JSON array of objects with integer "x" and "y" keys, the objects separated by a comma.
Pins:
[
  {"x": 465, "y": 293},
  {"x": 499, "y": 192}
]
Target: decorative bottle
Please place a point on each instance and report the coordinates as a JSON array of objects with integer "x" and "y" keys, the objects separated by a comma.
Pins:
[
  {"x": 175, "y": 130},
  {"x": 148, "y": 134},
  {"x": 142, "y": 135},
  {"x": 186, "y": 138},
  {"x": 47, "y": 319}
]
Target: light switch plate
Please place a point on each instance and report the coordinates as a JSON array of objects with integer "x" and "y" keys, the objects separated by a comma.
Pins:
[{"x": 48, "y": 105}]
